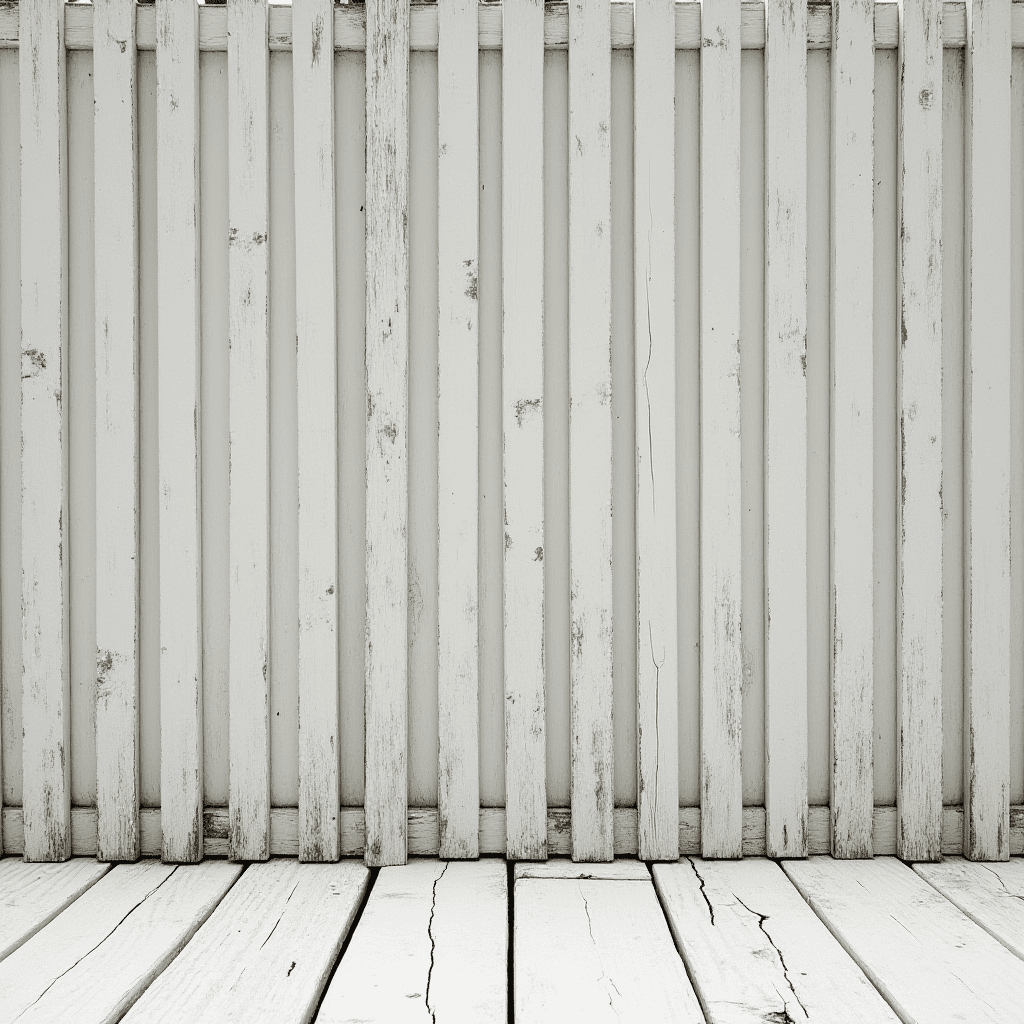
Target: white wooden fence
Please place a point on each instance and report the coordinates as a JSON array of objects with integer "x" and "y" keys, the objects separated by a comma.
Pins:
[{"x": 771, "y": 256}]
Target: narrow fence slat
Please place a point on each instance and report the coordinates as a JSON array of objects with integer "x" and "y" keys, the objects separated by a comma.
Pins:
[
  {"x": 657, "y": 683},
  {"x": 522, "y": 383},
  {"x": 987, "y": 429},
  {"x": 46, "y": 690},
  {"x": 178, "y": 370},
  {"x": 721, "y": 651},
  {"x": 590, "y": 430},
  {"x": 785, "y": 419},
  {"x": 117, "y": 432},
  {"x": 852, "y": 433},
  {"x": 919, "y": 383},
  {"x": 249, "y": 427},
  {"x": 458, "y": 246},
  {"x": 387, "y": 436},
  {"x": 317, "y": 373}
]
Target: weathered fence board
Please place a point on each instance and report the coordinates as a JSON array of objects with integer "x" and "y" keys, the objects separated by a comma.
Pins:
[{"x": 317, "y": 376}]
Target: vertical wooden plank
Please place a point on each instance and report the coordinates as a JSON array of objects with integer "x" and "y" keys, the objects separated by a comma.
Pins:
[
  {"x": 387, "y": 441},
  {"x": 249, "y": 428},
  {"x": 987, "y": 430},
  {"x": 919, "y": 390},
  {"x": 458, "y": 241},
  {"x": 117, "y": 432},
  {"x": 317, "y": 372},
  {"x": 522, "y": 384},
  {"x": 590, "y": 429},
  {"x": 657, "y": 684},
  {"x": 721, "y": 652},
  {"x": 852, "y": 426},
  {"x": 178, "y": 366},
  {"x": 46, "y": 696},
  {"x": 785, "y": 419}
]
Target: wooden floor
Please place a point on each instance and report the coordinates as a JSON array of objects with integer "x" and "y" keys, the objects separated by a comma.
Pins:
[{"x": 726, "y": 942}]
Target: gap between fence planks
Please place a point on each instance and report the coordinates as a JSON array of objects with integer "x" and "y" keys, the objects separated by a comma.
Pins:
[
  {"x": 657, "y": 683},
  {"x": 458, "y": 247},
  {"x": 721, "y": 652},
  {"x": 590, "y": 431},
  {"x": 851, "y": 497},
  {"x": 317, "y": 375},
  {"x": 919, "y": 390},
  {"x": 178, "y": 373},
  {"x": 522, "y": 358},
  {"x": 387, "y": 435},
  {"x": 350, "y": 26},
  {"x": 45, "y": 623}
]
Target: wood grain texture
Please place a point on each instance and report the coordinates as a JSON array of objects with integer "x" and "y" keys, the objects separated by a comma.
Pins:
[
  {"x": 45, "y": 624},
  {"x": 592, "y": 792},
  {"x": 32, "y": 895},
  {"x": 991, "y": 895},
  {"x": 458, "y": 249},
  {"x": 558, "y": 867},
  {"x": 249, "y": 427},
  {"x": 432, "y": 944},
  {"x": 987, "y": 432},
  {"x": 785, "y": 427},
  {"x": 919, "y": 400},
  {"x": 596, "y": 950},
  {"x": 851, "y": 498},
  {"x": 721, "y": 652},
  {"x": 657, "y": 683},
  {"x": 317, "y": 371},
  {"x": 117, "y": 432},
  {"x": 756, "y": 952},
  {"x": 387, "y": 438},
  {"x": 178, "y": 373},
  {"x": 930, "y": 961},
  {"x": 265, "y": 953},
  {"x": 522, "y": 384},
  {"x": 100, "y": 954}
]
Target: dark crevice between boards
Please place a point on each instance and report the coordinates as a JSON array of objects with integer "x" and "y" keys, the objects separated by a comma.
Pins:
[
  {"x": 510, "y": 867},
  {"x": 357, "y": 917}
]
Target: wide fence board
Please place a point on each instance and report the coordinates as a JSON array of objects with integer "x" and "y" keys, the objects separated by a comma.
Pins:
[
  {"x": 387, "y": 434},
  {"x": 117, "y": 432},
  {"x": 721, "y": 650},
  {"x": 919, "y": 387},
  {"x": 851, "y": 495},
  {"x": 45, "y": 624},
  {"x": 178, "y": 372},
  {"x": 522, "y": 384},
  {"x": 987, "y": 432},
  {"x": 785, "y": 428},
  {"x": 458, "y": 446},
  {"x": 317, "y": 375}
]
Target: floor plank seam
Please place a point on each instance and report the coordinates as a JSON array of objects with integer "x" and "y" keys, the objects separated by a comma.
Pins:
[{"x": 510, "y": 903}]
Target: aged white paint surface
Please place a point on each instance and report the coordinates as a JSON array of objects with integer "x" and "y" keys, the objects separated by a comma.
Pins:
[
  {"x": 249, "y": 427},
  {"x": 931, "y": 962},
  {"x": 987, "y": 432},
  {"x": 458, "y": 247},
  {"x": 99, "y": 955},
  {"x": 756, "y": 952},
  {"x": 317, "y": 372},
  {"x": 657, "y": 683},
  {"x": 721, "y": 652},
  {"x": 117, "y": 427},
  {"x": 387, "y": 440},
  {"x": 432, "y": 944},
  {"x": 852, "y": 428},
  {"x": 590, "y": 430},
  {"x": 919, "y": 400},
  {"x": 178, "y": 347},
  {"x": 46, "y": 696},
  {"x": 522, "y": 384}
]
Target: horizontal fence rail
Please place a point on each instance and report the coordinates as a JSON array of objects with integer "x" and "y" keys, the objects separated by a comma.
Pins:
[{"x": 434, "y": 443}]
